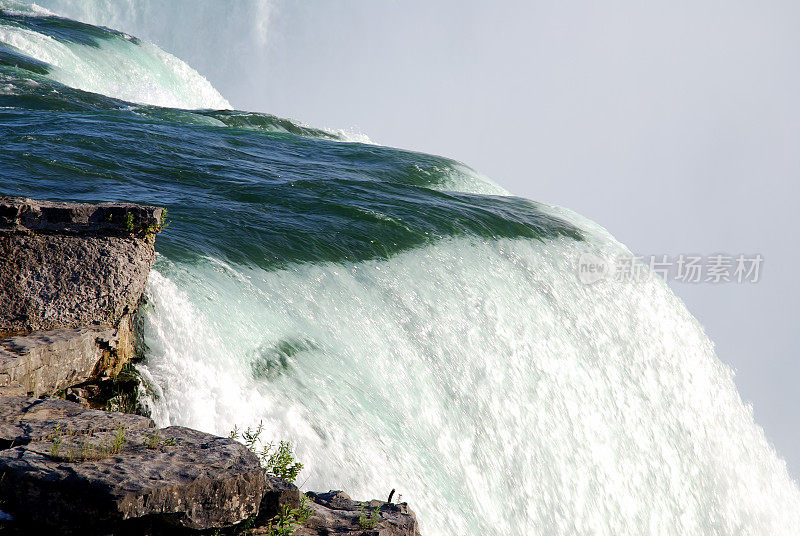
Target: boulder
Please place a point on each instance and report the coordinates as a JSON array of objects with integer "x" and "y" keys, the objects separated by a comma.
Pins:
[
  {"x": 112, "y": 480},
  {"x": 335, "y": 513},
  {"x": 278, "y": 493}
]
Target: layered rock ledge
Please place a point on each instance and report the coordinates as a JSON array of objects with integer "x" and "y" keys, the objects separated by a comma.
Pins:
[
  {"x": 71, "y": 278},
  {"x": 71, "y": 266},
  {"x": 97, "y": 470},
  {"x": 46, "y": 362}
]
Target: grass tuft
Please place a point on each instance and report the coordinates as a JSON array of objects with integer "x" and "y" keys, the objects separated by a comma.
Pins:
[{"x": 86, "y": 450}]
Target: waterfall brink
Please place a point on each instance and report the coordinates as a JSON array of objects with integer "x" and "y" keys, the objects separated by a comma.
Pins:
[{"x": 403, "y": 321}]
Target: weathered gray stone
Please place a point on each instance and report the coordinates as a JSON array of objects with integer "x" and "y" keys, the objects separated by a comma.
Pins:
[
  {"x": 71, "y": 265},
  {"x": 26, "y": 216},
  {"x": 58, "y": 281},
  {"x": 335, "y": 512},
  {"x": 24, "y": 420},
  {"x": 46, "y": 362},
  {"x": 179, "y": 477},
  {"x": 65, "y": 265}
]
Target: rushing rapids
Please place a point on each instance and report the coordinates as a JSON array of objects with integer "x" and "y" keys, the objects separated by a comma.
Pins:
[{"x": 402, "y": 320}]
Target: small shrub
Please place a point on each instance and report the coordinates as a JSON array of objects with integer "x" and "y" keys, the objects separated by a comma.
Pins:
[
  {"x": 281, "y": 462},
  {"x": 368, "y": 522},
  {"x": 277, "y": 461},
  {"x": 119, "y": 441},
  {"x": 155, "y": 440},
  {"x": 55, "y": 448},
  {"x": 283, "y": 524}
]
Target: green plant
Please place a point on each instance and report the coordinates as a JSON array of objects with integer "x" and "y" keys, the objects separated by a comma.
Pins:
[
  {"x": 281, "y": 462},
  {"x": 128, "y": 222},
  {"x": 162, "y": 224},
  {"x": 155, "y": 440},
  {"x": 249, "y": 523},
  {"x": 249, "y": 436},
  {"x": 86, "y": 450},
  {"x": 55, "y": 448},
  {"x": 276, "y": 460},
  {"x": 368, "y": 522},
  {"x": 283, "y": 524},
  {"x": 123, "y": 395},
  {"x": 119, "y": 441},
  {"x": 304, "y": 511}
]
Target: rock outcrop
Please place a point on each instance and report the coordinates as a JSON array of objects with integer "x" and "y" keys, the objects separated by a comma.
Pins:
[
  {"x": 71, "y": 278},
  {"x": 101, "y": 472},
  {"x": 278, "y": 493},
  {"x": 70, "y": 266},
  {"x": 335, "y": 512},
  {"x": 24, "y": 420},
  {"x": 95, "y": 471}
]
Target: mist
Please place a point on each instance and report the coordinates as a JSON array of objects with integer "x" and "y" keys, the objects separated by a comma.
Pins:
[{"x": 674, "y": 125}]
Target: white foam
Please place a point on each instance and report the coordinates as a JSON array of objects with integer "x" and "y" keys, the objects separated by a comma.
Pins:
[
  {"x": 119, "y": 68},
  {"x": 17, "y": 7},
  {"x": 465, "y": 179},
  {"x": 498, "y": 394}
]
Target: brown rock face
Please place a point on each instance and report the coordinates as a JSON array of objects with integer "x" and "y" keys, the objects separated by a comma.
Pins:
[
  {"x": 65, "y": 265},
  {"x": 48, "y": 361},
  {"x": 70, "y": 266},
  {"x": 56, "y": 281}
]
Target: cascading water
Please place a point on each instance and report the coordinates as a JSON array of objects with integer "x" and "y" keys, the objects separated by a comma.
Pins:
[
  {"x": 403, "y": 322},
  {"x": 104, "y": 61}
]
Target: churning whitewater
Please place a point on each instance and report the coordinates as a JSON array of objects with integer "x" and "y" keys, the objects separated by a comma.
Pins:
[{"x": 403, "y": 321}]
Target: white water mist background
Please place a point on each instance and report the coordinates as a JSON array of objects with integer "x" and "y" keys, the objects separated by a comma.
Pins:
[{"x": 675, "y": 125}]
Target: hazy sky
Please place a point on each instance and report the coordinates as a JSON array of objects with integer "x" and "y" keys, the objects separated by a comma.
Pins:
[{"x": 675, "y": 125}]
